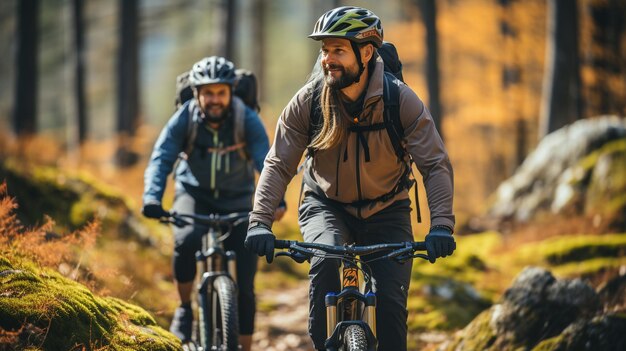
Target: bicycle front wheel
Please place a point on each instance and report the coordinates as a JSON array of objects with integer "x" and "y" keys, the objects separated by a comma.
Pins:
[
  {"x": 223, "y": 324},
  {"x": 354, "y": 339}
]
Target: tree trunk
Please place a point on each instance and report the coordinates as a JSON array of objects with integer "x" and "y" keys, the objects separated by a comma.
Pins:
[
  {"x": 512, "y": 77},
  {"x": 224, "y": 36},
  {"x": 605, "y": 89},
  {"x": 79, "y": 69},
  {"x": 429, "y": 16},
  {"x": 127, "y": 80},
  {"x": 26, "y": 83},
  {"x": 561, "y": 89},
  {"x": 258, "y": 43}
]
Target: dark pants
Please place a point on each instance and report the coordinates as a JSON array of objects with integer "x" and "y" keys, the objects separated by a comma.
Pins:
[
  {"x": 187, "y": 241},
  {"x": 322, "y": 221}
]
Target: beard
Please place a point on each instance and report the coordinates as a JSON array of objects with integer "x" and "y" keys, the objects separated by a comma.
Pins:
[
  {"x": 346, "y": 78},
  {"x": 213, "y": 115}
]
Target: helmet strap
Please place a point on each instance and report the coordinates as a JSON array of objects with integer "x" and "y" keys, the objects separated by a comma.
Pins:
[{"x": 357, "y": 53}]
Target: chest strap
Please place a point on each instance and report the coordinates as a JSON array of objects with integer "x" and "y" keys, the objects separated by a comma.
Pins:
[{"x": 359, "y": 130}]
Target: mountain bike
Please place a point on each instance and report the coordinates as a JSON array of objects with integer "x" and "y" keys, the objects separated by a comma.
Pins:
[
  {"x": 216, "y": 323},
  {"x": 351, "y": 313}
]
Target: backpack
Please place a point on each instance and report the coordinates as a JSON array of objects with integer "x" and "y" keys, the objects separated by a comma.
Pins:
[
  {"x": 391, "y": 122},
  {"x": 246, "y": 89}
]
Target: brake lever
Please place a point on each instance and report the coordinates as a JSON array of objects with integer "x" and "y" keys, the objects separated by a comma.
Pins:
[
  {"x": 296, "y": 256},
  {"x": 179, "y": 222},
  {"x": 404, "y": 258},
  {"x": 399, "y": 253}
]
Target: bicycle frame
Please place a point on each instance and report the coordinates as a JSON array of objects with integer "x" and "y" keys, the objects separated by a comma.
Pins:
[
  {"x": 214, "y": 262},
  {"x": 351, "y": 306}
]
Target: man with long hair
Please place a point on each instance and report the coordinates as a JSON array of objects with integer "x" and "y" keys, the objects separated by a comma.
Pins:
[{"x": 355, "y": 185}]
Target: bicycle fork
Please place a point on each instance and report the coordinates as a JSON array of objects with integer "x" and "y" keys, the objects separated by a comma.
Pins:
[
  {"x": 210, "y": 263},
  {"x": 349, "y": 302}
]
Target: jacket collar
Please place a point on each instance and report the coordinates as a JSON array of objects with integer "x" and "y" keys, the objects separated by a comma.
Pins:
[{"x": 375, "y": 86}]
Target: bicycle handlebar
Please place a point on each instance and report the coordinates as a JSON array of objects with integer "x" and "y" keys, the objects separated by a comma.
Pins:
[
  {"x": 231, "y": 219},
  {"x": 300, "y": 251}
]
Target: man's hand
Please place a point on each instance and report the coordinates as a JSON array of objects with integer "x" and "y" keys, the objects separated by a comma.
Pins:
[
  {"x": 154, "y": 211},
  {"x": 439, "y": 243},
  {"x": 260, "y": 240}
]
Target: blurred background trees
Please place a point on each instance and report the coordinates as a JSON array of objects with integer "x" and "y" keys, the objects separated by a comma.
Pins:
[
  {"x": 504, "y": 72},
  {"x": 85, "y": 86},
  {"x": 24, "y": 119}
]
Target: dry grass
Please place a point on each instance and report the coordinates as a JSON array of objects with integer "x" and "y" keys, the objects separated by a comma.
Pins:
[{"x": 62, "y": 252}]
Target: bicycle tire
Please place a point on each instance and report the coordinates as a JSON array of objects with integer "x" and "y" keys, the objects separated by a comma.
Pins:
[
  {"x": 224, "y": 322},
  {"x": 354, "y": 339}
]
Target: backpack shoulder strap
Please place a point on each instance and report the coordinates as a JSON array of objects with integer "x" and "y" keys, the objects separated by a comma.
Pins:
[
  {"x": 192, "y": 132},
  {"x": 315, "y": 120},
  {"x": 391, "y": 114},
  {"x": 239, "y": 128}
]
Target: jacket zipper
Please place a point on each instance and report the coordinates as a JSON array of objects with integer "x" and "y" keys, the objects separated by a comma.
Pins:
[{"x": 214, "y": 159}]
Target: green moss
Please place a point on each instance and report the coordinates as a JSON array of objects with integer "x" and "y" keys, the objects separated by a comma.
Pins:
[
  {"x": 575, "y": 248},
  {"x": 549, "y": 344},
  {"x": 607, "y": 182},
  {"x": 469, "y": 262},
  {"x": 589, "y": 161},
  {"x": 457, "y": 274},
  {"x": 71, "y": 315},
  {"x": 616, "y": 203},
  {"x": 478, "y": 335},
  {"x": 589, "y": 267}
]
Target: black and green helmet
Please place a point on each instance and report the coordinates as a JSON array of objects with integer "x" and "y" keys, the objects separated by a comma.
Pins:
[{"x": 353, "y": 23}]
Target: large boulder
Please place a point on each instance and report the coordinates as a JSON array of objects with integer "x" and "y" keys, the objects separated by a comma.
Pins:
[
  {"x": 540, "y": 312},
  {"x": 577, "y": 170}
]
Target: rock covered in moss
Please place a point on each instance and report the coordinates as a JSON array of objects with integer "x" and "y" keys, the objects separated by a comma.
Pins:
[
  {"x": 539, "y": 312},
  {"x": 42, "y": 309},
  {"x": 578, "y": 169}
]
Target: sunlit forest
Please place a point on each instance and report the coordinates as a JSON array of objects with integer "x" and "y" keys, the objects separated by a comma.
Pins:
[{"x": 86, "y": 86}]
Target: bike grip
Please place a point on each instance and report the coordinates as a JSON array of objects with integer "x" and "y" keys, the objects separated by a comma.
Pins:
[
  {"x": 282, "y": 244},
  {"x": 419, "y": 246}
]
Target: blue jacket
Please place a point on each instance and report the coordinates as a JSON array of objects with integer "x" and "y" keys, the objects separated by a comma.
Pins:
[{"x": 223, "y": 180}]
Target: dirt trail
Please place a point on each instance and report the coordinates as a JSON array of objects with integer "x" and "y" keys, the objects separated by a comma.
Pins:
[{"x": 283, "y": 327}]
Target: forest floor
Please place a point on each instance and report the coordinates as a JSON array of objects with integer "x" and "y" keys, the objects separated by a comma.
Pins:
[{"x": 283, "y": 326}]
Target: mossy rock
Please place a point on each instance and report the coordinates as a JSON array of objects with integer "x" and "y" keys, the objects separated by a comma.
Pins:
[
  {"x": 71, "y": 200},
  {"x": 607, "y": 189},
  {"x": 478, "y": 335},
  {"x": 541, "y": 313},
  {"x": 600, "y": 333},
  {"x": 45, "y": 310}
]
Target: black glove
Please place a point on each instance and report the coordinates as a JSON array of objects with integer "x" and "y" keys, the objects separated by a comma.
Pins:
[
  {"x": 154, "y": 211},
  {"x": 260, "y": 240},
  {"x": 439, "y": 243}
]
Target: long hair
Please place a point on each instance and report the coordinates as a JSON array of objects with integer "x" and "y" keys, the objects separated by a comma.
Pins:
[{"x": 335, "y": 119}]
